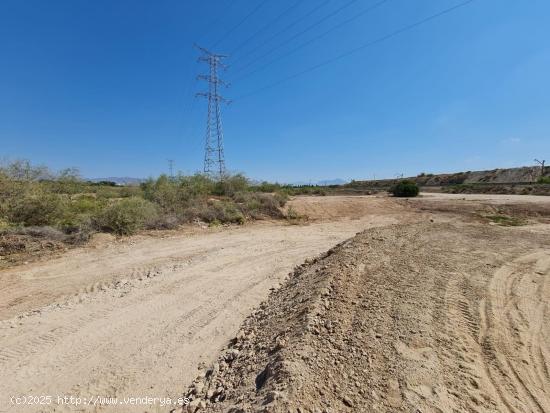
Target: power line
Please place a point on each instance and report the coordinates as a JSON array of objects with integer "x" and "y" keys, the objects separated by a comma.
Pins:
[
  {"x": 171, "y": 167},
  {"x": 212, "y": 22},
  {"x": 287, "y": 27},
  {"x": 214, "y": 162},
  {"x": 188, "y": 102},
  {"x": 360, "y": 48},
  {"x": 190, "y": 85},
  {"x": 314, "y": 39},
  {"x": 300, "y": 33},
  {"x": 542, "y": 167},
  {"x": 230, "y": 31},
  {"x": 270, "y": 23},
  {"x": 216, "y": 20}
]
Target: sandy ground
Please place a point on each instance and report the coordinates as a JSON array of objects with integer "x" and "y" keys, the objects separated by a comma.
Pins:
[
  {"x": 134, "y": 318},
  {"x": 420, "y": 317},
  {"x": 491, "y": 198}
]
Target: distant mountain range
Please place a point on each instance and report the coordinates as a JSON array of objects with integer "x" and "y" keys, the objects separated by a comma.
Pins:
[
  {"x": 502, "y": 175},
  {"x": 324, "y": 182},
  {"x": 124, "y": 180},
  {"x": 328, "y": 182}
]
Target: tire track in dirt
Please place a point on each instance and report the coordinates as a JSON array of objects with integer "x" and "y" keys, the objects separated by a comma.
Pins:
[
  {"x": 517, "y": 317},
  {"x": 464, "y": 326},
  {"x": 447, "y": 317},
  {"x": 139, "y": 326}
]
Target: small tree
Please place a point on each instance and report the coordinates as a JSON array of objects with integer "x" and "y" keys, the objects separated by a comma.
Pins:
[{"x": 405, "y": 188}]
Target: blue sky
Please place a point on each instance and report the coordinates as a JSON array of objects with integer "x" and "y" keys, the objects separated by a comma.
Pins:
[{"x": 108, "y": 86}]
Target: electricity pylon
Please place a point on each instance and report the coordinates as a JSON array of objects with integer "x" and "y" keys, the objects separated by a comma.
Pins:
[
  {"x": 171, "y": 167},
  {"x": 214, "y": 162},
  {"x": 541, "y": 163}
]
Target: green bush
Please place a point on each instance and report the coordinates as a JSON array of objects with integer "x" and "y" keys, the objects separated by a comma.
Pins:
[
  {"x": 86, "y": 204},
  {"x": 175, "y": 195},
  {"x": 196, "y": 185},
  {"x": 165, "y": 193},
  {"x": 266, "y": 187},
  {"x": 35, "y": 196},
  {"x": 405, "y": 189},
  {"x": 36, "y": 209},
  {"x": 305, "y": 190},
  {"x": 127, "y": 216},
  {"x": 221, "y": 211},
  {"x": 231, "y": 185},
  {"x": 77, "y": 217},
  {"x": 212, "y": 211},
  {"x": 107, "y": 192},
  {"x": 102, "y": 183},
  {"x": 543, "y": 180}
]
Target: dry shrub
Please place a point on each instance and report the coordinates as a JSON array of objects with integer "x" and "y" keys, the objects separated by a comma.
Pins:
[
  {"x": 35, "y": 196},
  {"x": 41, "y": 232},
  {"x": 127, "y": 216},
  {"x": 36, "y": 209},
  {"x": 166, "y": 221},
  {"x": 24, "y": 239},
  {"x": 260, "y": 205},
  {"x": 293, "y": 217}
]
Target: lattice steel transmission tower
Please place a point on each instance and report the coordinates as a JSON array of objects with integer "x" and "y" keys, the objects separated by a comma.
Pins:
[{"x": 214, "y": 162}]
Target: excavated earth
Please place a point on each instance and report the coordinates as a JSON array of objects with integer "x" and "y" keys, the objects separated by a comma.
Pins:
[{"x": 419, "y": 317}]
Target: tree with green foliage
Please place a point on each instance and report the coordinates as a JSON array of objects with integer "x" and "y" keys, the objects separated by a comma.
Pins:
[{"x": 405, "y": 189}]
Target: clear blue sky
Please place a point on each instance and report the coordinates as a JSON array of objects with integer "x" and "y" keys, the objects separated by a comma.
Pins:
[{"x": 108, "y": 85}]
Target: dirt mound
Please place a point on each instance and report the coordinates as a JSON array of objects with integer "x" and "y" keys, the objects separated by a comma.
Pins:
[{"x": 416, "y": 318}]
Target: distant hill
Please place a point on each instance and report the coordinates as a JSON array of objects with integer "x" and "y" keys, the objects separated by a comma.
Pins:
[
  {"x": 125, "y": 180},
  {"x": 522, "y": 175},
  {"x": 328, "y": 182},
  {"x": 525, "y": 174},
  {"x": 325, "y": 182}
]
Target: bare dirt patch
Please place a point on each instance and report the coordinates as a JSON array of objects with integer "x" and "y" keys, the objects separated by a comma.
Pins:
[
  {"x": 134, "y": 317},
  {"x": 411, "y": 318},
  {"x": 330, "y": 208}
]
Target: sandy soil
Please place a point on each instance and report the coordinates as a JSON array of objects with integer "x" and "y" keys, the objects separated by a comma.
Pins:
[
  {"x": 134, "y": 318},
  {"x": 137, "y": 317},
  {"x": 424, "y": 317},
  {"x": 491, "y": 198}
]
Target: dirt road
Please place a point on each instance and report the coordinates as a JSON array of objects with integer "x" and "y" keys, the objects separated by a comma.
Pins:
[{"x": 134, "y": 318}]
